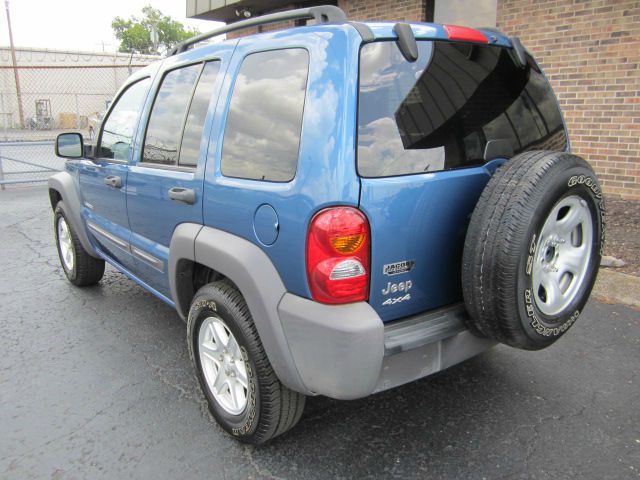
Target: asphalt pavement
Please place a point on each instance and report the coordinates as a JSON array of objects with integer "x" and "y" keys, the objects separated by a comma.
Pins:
[{"x": 97, "y": 383}]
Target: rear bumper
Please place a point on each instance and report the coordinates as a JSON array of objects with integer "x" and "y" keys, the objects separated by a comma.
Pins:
[{"x": 347, "y": 352}]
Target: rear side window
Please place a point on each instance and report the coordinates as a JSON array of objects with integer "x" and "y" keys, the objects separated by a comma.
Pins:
[
  {"x": 262, "y": 136},
  {"x": 440, "y": 112},
  {"x": 168, "y": 114},
  {"x": 190, "y": 146}
]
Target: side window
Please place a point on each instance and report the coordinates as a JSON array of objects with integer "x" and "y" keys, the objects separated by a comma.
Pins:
[
  {"x": 190, "y": 147},
  {"x": 118, "y": 128},
  {"x": 167, "y": 115},
  {"x": 262, "y": 136}
]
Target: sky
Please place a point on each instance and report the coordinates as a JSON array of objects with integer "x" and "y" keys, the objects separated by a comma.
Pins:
[{"x": 83, "y": 25}]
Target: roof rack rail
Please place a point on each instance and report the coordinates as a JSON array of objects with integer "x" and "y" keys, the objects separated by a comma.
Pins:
[{"x": 321, "y": 14}]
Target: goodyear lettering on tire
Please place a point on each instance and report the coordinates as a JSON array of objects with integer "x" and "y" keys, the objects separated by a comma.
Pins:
[{"x": 592, "y": 184}]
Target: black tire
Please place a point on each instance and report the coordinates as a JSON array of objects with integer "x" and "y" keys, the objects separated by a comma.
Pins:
[
  {"x": 271, "y": 408},
  {"x": 86, "y": 270},
  {"x": 503, "y": 243}
]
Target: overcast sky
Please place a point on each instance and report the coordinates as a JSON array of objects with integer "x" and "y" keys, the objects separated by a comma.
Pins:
[{"x": 80, "y": 24}]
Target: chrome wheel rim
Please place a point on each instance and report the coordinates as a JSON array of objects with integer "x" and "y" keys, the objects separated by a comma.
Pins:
[
  {"x": 562, "y": 254},
  {"x": 66, "y": 245},
  {"x": 223, "y": 365}
]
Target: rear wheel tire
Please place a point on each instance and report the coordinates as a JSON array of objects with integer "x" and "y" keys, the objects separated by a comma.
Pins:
[
  {"x": 242, "y": 390},
  {"x": 533, "y": 249},
  {"x": 79, "y": 266}
]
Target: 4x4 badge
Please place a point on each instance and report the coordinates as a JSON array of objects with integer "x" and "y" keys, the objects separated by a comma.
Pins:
[{"x": 398, "y": 267}]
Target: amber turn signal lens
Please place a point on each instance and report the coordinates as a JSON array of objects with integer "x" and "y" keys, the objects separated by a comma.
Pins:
[{"x": 348, "y": 244}]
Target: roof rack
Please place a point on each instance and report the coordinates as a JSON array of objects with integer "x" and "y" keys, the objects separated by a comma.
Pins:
[{"x": 321, "y": 14}]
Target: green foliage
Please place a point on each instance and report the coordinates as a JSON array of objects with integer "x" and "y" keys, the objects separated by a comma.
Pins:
[{"x": 135, "y": 33}]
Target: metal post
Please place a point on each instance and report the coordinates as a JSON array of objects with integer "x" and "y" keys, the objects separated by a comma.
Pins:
[
  {"x": 15, "y": 66},
  {"x": 1, "y": 172},
  {"x": 77, "y": 113},
  {"x": 5, "y": 116}
]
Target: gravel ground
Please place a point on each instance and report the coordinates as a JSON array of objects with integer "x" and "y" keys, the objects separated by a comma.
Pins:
[
  {"x": 96, "y": 383},
  {"x": 623, "y": 234}
]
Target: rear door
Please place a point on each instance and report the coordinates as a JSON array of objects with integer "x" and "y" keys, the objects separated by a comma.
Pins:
[
  {"x": 103, "y": 180},
  {"x": 430, "y": 134},
  {"x": 165, "y": 180}
]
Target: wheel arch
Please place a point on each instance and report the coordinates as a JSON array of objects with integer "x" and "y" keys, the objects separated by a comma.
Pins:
[
  {"x": 194, "y": 247},
  {"x": 62, "y": 186}
]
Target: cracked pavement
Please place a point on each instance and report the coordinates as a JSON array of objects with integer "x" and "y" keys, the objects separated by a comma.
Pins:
[{"x": 97, "y": 383}]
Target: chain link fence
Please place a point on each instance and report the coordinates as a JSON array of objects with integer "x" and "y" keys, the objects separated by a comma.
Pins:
[{"x": 48, "y": 93}]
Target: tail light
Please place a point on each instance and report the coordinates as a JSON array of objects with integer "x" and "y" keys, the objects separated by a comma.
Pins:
[{"x": 338, "y": 256}]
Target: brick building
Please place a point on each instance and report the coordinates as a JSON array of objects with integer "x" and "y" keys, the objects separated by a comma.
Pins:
[{"x": 589, "y": 49}]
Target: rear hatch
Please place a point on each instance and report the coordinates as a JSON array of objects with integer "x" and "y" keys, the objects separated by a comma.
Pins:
[{"x": 430, "y": 134}]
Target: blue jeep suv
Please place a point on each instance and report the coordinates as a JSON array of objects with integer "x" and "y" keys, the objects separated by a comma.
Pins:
[{"x": 337, "y": 208}]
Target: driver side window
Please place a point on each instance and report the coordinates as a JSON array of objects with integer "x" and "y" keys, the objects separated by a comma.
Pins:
[{"x": 119, "y": 127}]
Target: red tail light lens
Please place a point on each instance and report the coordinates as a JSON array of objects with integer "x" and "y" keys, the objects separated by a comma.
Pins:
[
  {"x": 338, "y": 256},
  {"x": 465, "y": 34}
]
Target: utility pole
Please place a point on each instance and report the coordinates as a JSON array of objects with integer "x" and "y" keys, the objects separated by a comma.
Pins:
[{"x": 15, "y": 66}]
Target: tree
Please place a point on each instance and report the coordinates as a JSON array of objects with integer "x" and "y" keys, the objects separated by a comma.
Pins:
[{"x": 135, "y": 34}]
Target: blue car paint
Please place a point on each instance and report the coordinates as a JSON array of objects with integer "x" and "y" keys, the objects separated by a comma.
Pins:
[
  {"x": 433, "y": 207},
  {"x": 106, "y": 206},
  {"x": 422, "y": 219},
  {"x": 153, "y": 216},
  {"x": 326, "y": 173}
]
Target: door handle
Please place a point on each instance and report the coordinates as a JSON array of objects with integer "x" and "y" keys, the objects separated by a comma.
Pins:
[
  {"x": 113, "y": 181},
  {"x": 182, "y": 195}
]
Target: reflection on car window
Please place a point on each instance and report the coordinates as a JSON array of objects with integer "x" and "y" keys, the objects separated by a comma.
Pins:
[
  {"x": 119, "y": 127},
  {"x": 439, "y": 112},
  {"x": 190, "y": 147},
  {"x": 167, "y": 115},
  {"x": 262, "y": 136}
]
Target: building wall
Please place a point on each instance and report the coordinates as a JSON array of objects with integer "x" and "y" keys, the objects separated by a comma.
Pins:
[
  {"x": 409, "y": 10},
  {"x": 590, "y": 50}
]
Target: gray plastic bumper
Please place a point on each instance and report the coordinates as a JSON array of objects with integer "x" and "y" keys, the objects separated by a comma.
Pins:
[
  {"x": 347, "y": 352},
  {"x": 337, "y": 349}
]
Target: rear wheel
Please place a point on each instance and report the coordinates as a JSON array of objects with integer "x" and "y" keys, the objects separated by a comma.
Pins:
[
  {"x": 79, "y": 267},
  {"x": 533, "y": 249},
  {"x": 242, "y": 390}
]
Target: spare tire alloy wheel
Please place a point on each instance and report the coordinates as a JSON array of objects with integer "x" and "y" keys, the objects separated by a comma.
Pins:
[{"x": 533, "y": 249}]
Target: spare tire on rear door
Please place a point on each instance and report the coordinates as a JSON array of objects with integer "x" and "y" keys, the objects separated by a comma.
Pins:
[{"x": 533, "y": 249}]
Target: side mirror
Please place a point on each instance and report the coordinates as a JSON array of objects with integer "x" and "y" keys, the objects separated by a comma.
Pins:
[{"x": 69, "y": 145}]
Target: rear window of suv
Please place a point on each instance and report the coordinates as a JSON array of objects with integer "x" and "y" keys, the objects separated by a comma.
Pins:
[{"x": 439, "y": 112}]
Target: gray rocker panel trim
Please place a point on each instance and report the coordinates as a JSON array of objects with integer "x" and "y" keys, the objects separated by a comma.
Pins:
[
  {"x": 65, "y": 185},
  {"x": 246, "y": 265}
]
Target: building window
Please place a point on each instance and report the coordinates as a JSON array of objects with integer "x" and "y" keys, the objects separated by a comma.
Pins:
[{"x": 471, "y": 13}]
